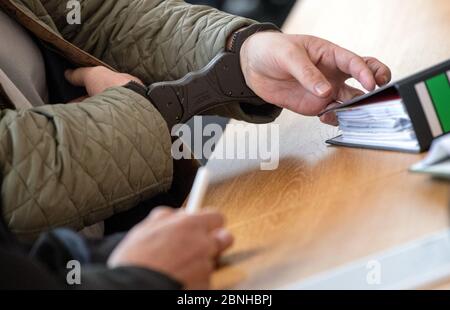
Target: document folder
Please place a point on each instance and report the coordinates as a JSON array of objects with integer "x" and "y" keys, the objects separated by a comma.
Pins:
[{"x": 426, "y": 99}]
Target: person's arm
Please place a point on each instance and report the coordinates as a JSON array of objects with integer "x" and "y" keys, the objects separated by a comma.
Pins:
[
  {"x": 74, "y": 165},
  {"x": 50, "y": 254},
  {"x": 125, "y": 278},
  {"x": 21, "y": 272},
  {"x": 157, "y": 41},
  {"x": 167, "y": 250},
  {"x": 167, "y": 39}
]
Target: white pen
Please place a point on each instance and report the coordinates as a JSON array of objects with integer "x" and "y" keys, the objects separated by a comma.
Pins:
[{"x": 198, "y": 191}]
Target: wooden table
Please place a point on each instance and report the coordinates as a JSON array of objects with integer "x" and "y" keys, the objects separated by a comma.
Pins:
[{"x": 327, "y": 206}]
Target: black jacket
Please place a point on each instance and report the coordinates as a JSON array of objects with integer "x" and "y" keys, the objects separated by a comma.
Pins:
[{"x": 44, "y": 264}]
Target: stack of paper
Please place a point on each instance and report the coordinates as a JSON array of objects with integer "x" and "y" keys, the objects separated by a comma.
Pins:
[{"x": 385, "y": 124}]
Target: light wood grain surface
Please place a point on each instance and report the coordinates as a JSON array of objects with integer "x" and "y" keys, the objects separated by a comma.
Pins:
[{"x": 326, "y": 206}]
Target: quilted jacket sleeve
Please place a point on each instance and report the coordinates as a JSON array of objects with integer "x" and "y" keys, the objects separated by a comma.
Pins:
[
  {"x": 49, "y": 176},
  {"x": 156, "y": 40}
]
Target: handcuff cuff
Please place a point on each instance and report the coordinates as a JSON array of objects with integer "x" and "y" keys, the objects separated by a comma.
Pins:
[{"x": 218, "y": 83}]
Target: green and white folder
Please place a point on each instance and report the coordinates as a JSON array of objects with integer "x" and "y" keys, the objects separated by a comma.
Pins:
[{"x": 426, "y": 99}]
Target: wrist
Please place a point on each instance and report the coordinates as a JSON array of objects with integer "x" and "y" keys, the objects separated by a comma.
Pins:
[
  {"x": 239, "y": 41},
  {"x": 238, "y": 38}
]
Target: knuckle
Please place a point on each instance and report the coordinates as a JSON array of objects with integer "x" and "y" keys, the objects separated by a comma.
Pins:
[
  {"x": 100, "y": 68},
  {"x": 357, "y": 65},
  {"x": 309, "y": 72},
  {"x": 371, "y": 60},
  {"x": 160, "y": 211},
  {"x": 356, "y": 61},
  {"x": 325, "y": 52},
  {"x": 375, "y": 63},
  {"x": 96, "y": 69}
]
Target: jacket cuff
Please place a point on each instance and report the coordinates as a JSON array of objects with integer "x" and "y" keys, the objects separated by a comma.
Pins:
[{"x": 126, "y": 278}]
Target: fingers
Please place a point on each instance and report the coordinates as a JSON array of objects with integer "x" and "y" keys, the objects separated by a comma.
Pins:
[
  {"x": 345, "y": 94},
  {"x": 208, "y": 221},
  {"x": 348, "y": 93},
  {"x": 355, "y": 66},
  {"x": 216, "y": 243},
  {"x": 369, "y": 71},
  {"x": 381, "y": 72},
  {"x": 77, "y": 77},
  {"x": 212, "y": 224},
  {"x": 298, "y": 63},
  {"x": 330, "y": 119}
]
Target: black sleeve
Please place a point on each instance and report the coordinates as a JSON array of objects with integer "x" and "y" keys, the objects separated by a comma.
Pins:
[
  {"x": 125, "y": 278},
  {"x": 60, "y": 246},
  {"x": 46, "y": 265},
  {"x": 19, "y": 272}
]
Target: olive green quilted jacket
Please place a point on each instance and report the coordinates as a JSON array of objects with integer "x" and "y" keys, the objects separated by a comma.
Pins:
[{"x": 74, "y": 165}]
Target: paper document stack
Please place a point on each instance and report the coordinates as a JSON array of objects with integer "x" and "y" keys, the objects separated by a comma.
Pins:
[{"x": 385, "y": 124}]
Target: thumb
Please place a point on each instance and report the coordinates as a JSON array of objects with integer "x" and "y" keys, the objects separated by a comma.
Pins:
[
  {"x": 76, "y": 77},
  {"x": 306, "y": 73}
]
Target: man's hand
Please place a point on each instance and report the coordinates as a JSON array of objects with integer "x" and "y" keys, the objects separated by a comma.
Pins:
[
  {"x": 182, "y": 246},
  {"x": 97, "y": 79},
  {"x": 306, "y": 74}
]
